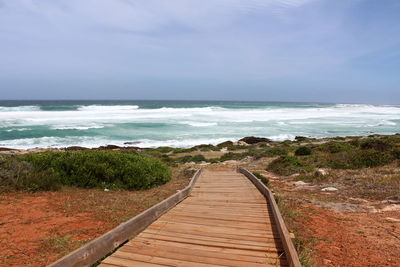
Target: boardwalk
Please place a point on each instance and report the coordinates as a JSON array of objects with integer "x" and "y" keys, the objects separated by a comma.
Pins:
[{"x": 224, "y": 222}]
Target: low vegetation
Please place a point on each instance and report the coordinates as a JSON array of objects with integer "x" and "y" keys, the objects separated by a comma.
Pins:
[
  {"x": 84, "y": 169},
  {"x": 262, "y": 178},
  {"x": 369, "y": 152}
]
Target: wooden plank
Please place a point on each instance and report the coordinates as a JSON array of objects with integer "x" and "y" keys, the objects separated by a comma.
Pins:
[
  {"x": 233, "y": 235},
  {"x": 121, "y": 255},
  {"x": 155, "y": 234},
  {"x": 200, "y": 252},
  {"x": 211, "y": 229},
  {"x": 116, "y": 261},
  {"x": 222, "y": 250},
  {"x": 208, "y": 243},
  {"x": 196, "y": 256}
]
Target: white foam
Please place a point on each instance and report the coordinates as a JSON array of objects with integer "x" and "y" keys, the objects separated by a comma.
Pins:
[
  {"x": 19, "y": 108},
  {"x": 281, "y": 137},
  {"x": 72, "y": 127},
  {"x": 103, "y": 108},
  {"x": 200, "y": 124},
  {"x": 18, "y": 129}
]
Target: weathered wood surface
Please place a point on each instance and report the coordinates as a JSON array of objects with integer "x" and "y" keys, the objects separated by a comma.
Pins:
[
  {"x": 92, "y": 252},
  {"x": 225, "y": 221},
  {"x": 290, "y": 251}
]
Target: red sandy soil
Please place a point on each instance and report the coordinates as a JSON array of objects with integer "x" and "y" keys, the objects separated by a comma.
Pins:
[
  {"x": 38, "y": 228},
  {"x": 350, "y": 239},
  {"x": 27, "y": 221}
]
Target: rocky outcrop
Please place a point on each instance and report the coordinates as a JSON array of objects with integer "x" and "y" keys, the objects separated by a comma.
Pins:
[
  {"x": 75, "y": 148},
  {"x": 109, "y": 147},
  {"x": 6, "y": 149},
  {"x": 254, "y": 140}
]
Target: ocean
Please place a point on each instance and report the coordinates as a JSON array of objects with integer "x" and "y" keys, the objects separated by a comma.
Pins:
[{"x": 29, "y": 124}]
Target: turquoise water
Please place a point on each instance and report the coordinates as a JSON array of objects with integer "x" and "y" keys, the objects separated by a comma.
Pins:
[{"x": 27, "y": 124}]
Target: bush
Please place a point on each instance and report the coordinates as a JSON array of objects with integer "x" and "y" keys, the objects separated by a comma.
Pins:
[
  {"x": 303, "y": 151},
  {"x": 360, "y": 159},
  {"x": 225, "y": 144},
  {"x": 370, "y": 158},
  {"x": 206, "y": 148},
  {"x": 196, "y": 158},
  {"x": 85, "y": 169},
  {"x": 276, "y": 151},
  {"x": 287, "y": 165},
  {"x": 396, "y": 153},
  {"x": 377, "y": 144},
  {"x": 263, "y": 179},
  {"x": 335, "y": 147}
]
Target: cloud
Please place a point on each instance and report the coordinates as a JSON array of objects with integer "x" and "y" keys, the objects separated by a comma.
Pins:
[
  {"x": 220, "y": 41},
  {"x": 149, "y": 15}
]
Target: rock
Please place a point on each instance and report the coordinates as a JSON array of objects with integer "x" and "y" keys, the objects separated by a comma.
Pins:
[
  {"x": 359, "y": 200},
  {"x": 254, "y": 140},
  {"x": 6, "y": 149},
  {"x": 232, "y": 161},
  {"x": 390, "y": 201},
  {"x": 300, "y": 138},
  {"x": 75, "y": 148},
  {"x": 394, "y": 220},
  {"x": 241, "y": 143},
  {"x": 248, "y": 158},
  {"x": 295, "y": 175},
  {"x": 320, "y": 172},
  {"x": 224, "y": 149},
  {"x": 106, "y": 190},
  {"x": 300, "y": 183},
  {"x": 132, "y": 143},
  {"x": 393, "y": 207},
  {"x": 327, "y": 262},
  {"x": 292, "y": 236},
  {"x": 109, "y": 147},
  {"x": 131, "y": 148},
  {"x": 329, "y": 189}
]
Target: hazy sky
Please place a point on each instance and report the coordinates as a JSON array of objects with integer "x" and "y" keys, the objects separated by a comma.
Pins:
[{"x": 290, "y": 50}]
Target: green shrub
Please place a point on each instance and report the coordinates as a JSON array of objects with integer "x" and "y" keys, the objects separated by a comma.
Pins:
[
  {"x": 263, "y": 179},
  {"x": 228, "y": 156},
  {"x": 370, "y": 158},
  {"x": 396, "y": 153},
  {"x": 21, "y": 175},
  {"x": 287, "y": 165},
  {"x": 358, "y": 159},
  {"x": 86, "y": 169},
  {"x": 206, "y": 148},
  {"x": 276, "y": 151},
  {"x": 336, "y": 147},
  {"x": 225, "y": 144},
  {"x": 303, "y": 151},
  {"x": 196, "y": 158},
  {"x": 377, "y": 144}
]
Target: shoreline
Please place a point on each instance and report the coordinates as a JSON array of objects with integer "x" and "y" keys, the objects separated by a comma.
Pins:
[{"x": 240, "y": 142}]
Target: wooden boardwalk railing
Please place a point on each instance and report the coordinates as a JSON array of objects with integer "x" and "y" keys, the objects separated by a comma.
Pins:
[{"x": 228, "y": 220}]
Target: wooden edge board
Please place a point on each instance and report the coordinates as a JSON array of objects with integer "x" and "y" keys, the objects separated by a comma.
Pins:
[
  {"x": 97, "y": 249},
  {"x": 290, "y": 251}
]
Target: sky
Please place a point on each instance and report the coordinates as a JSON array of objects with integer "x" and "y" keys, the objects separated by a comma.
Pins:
[{"x": 271, "y": 50}]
